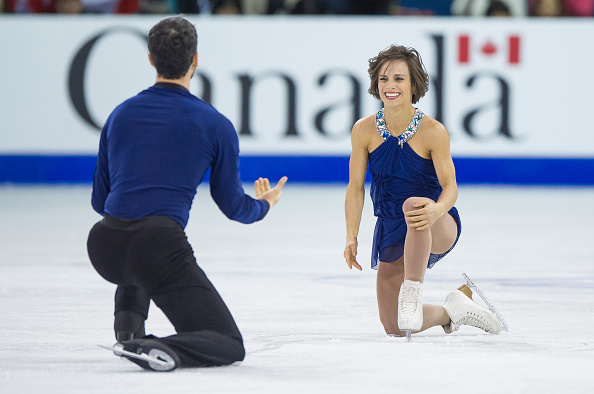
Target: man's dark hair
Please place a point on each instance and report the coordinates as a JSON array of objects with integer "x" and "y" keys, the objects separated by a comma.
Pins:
[
  {"x": 498, "y": 8},
  {"x": 172, "y": 44}
]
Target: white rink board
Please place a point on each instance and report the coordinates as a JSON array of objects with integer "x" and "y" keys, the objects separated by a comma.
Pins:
[{"x": 537, "y": 107}]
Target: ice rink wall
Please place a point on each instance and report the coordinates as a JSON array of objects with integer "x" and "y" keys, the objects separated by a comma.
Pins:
[{"x": 514, "y": 94}]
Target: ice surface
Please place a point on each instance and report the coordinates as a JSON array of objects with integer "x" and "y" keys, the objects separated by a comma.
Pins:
[{"x": 310, "y": 324}]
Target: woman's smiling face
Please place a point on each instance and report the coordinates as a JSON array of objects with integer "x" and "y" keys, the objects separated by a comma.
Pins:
[{"x": 394, "y": 84}]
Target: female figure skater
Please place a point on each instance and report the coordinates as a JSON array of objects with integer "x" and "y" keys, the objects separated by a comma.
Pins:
[{"x": 413, "y": 190}]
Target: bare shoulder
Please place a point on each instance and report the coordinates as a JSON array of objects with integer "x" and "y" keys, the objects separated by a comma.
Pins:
[
  {"x": 434, "y": 131},
  {"x": 432, "y": 126},
  {"x": 365, "y": 125},
  {"x": 364, "y": 130}
]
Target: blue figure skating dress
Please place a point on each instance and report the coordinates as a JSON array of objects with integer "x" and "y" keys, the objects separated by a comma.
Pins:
[{"x": 397, "y": 173}]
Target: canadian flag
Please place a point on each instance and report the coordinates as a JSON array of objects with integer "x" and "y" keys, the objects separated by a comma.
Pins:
[{"x": 488, "y": 49}]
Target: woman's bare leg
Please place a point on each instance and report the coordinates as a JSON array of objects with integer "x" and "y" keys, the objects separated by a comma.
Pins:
[
  {"x": 412, "y": 266},
  {"x": 389, "y": 279},
  {"x": 419, "y": 244}
]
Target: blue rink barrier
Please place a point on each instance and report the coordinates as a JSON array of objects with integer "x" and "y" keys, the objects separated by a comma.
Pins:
[{"x": 28, "y": 169}]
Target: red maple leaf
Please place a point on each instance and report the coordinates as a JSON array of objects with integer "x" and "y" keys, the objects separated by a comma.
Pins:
[{"x": 489, "y": 48}]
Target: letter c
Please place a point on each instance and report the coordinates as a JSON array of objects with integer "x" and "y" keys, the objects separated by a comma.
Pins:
[{"x": 76, "y": 74}]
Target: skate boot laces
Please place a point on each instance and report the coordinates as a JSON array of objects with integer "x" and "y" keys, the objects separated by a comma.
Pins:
[
  {"x": 464, "y": 311},
  {"x": 475, "y": 320},
  {"x": 411, "y": 301},
  {"x": 410, "y": 307}
]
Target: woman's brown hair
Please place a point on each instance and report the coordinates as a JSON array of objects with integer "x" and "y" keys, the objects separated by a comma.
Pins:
[{"x": 419, "y": 78}]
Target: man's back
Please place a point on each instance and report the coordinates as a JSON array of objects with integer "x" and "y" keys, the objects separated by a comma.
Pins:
[{"x": 155, "y": 150}]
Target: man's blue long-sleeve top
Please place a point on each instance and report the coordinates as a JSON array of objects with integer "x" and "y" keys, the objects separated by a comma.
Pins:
[{"x": 154, "y": 151}]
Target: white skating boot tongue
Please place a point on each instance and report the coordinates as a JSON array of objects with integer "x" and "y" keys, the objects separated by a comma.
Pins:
[{"x": 410, "y": 307}]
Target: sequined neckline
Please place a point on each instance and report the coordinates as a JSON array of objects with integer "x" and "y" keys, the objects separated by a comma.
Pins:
[{"x": 414, "y": 124}]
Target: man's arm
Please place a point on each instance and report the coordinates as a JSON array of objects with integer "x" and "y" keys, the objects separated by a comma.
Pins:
[{"x": 225, "y": 184}]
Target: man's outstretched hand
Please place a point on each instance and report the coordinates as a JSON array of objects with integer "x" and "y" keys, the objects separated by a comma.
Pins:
[{"x": 265, "y": 192}]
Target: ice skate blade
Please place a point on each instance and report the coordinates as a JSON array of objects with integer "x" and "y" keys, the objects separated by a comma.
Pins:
[
  {"x": 408, "y": 335},
  {"x": 144, "y": 357},
  {"x": 491, "y": 307}
]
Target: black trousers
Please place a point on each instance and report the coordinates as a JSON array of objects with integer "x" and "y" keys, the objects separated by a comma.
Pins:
[{"x": 150, "y": 258}]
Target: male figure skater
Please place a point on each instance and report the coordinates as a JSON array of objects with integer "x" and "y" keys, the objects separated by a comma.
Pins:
[{"x": 154, "y": 151}]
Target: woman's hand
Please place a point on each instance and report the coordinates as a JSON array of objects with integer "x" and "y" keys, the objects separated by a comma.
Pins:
[
  {"x": 350, "y": 255},
  {"x": 425, "y": 214}
]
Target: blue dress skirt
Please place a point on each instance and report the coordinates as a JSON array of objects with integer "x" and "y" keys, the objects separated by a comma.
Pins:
[{"x": 397, "y": 173}]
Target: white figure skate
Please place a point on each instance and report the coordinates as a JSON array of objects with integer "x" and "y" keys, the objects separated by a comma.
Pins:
[
  {"x": 486, "y": 300},
  {"x": 464, "y": 311},
  {"x": 410, "y": 307}
]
